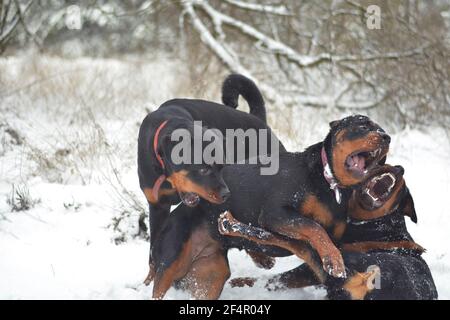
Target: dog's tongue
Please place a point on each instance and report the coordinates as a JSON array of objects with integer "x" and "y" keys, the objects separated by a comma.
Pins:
[{"x": 356, "y": 162}]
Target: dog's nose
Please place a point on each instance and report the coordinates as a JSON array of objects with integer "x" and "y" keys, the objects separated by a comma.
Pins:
[
  {"x": 225, "y": 194},
  {"x": 386, "y": 138},
  {"x": 399, "y": 170}
]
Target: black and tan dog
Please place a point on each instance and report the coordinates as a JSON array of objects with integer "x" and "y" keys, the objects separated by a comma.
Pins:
[
  {"x": 376, "y": 238},
  {"x": 306, "y": 200},
  {"x": 166, "y": 183}
]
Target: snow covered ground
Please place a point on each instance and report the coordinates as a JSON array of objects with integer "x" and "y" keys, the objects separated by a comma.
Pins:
[{"x": 68, "y": 132}]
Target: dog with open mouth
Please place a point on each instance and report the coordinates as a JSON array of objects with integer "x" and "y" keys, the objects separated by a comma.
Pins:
[
  {"x": 306, "y": 200},
  {"x": 166, "y": 183},
  {"x": 383, "y": 260},
  {"x": 377, "y": 235}
]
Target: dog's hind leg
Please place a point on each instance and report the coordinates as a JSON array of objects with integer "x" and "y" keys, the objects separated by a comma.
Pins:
[
  {"x": 207, "y": 276},
  {"x": 172, "y": 249},
  {"x": 200, "y": 262},
  {"x": 165, "y": 276},
  {"x": 158, "y": 215}
]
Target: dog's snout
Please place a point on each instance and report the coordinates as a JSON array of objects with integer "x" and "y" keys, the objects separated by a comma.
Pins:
[
  {"x": 399, "y": 170},
  {"x": 386, "y": 138},
  {"x": 225, "y": 193}
]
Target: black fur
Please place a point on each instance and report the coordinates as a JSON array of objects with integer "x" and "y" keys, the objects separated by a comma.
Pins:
[
  {"x": 274, "y": 201},
  {"x": 404, "y": 276},
  {"x": 404, "y": 273},
  {"x": 181, "y": 113},
  {"x": 235, "y": 85}
]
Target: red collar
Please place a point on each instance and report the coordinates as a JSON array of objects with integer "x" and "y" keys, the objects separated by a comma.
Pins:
[
  {"x": 161, "y": 178},
  {"x": 334, "y": 185},
  {"x": 155, "y": 143}
]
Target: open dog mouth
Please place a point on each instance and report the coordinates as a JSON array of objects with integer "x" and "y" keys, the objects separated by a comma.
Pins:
[
  {"x": 360, "y": 162},
  {"x": 190, "y": 199},
  {"x": 379, "y": 188},
  {"x": 214, "y": 198}
]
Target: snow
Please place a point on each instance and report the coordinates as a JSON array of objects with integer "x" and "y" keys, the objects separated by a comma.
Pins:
[
  {"x": 65, "y": 246},
  {"x": 279, "y": 10}
]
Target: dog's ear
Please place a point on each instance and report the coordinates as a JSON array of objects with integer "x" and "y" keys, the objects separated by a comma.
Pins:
[
  {"x": 407, "y": 206},
  {"x": 165, "y": 146},
  {"x": 334, "y": 124}
]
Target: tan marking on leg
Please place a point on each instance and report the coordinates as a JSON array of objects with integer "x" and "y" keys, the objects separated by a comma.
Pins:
[
  {"x": 338, "y": 230},
  {"x": 314, "y": 209},
  {"x": 321, "y": 242},
  {"x": 150, "y": 275},
  {"x": 298, "y": 248},
  {"x": 207, "y": 276},
  {"x": 366, "y": 246},
  {"x": 164, "y": 280}
]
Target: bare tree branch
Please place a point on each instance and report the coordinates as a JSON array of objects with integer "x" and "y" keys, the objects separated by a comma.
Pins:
[
  {"x": 277, "y": 10},
  {"x": 7, "y": 27}
]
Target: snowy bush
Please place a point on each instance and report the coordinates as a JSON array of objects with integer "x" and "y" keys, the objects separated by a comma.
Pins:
[{"x": 20, "y": 198}]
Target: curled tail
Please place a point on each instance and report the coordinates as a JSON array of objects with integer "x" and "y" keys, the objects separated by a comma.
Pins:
[{"x": 235, "y": 85}]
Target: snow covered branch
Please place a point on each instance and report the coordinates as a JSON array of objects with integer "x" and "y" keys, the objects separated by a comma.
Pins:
[
  {"x": 11, "y": 14},
  {"x": 214, "y": 37},
  {"x": 277, "y": 10},
  {"x": 269, "y": 43},
  {"x": 280, "y": 48},
  {"x": 208, "y": 39}
]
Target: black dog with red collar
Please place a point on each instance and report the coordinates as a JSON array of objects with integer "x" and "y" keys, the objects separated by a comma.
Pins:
[{"x": 166, "y": 183}]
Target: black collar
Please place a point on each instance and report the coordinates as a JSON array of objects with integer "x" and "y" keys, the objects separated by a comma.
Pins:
[{"x": 391, "y": 227}]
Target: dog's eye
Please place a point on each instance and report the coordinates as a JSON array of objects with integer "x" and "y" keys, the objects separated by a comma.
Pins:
[{"x": 204, "y": 171}]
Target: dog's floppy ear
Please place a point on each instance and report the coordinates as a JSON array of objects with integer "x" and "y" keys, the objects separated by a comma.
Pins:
[
  {"x": 407, "y": 206},
  {"x": 165, "y": 146}
]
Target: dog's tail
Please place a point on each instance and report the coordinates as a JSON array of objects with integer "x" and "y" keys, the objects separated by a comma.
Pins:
[{"x": 235, "y": 85}]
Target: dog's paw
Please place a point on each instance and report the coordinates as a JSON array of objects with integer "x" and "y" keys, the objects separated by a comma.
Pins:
[
  {"x": 226, "y": 222},
  {"x": 274, "y": 284},
  {"x": 261, "y": 260},
  {"x": 334, "y": 265},
  {"x": 242, "y": 282}
]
